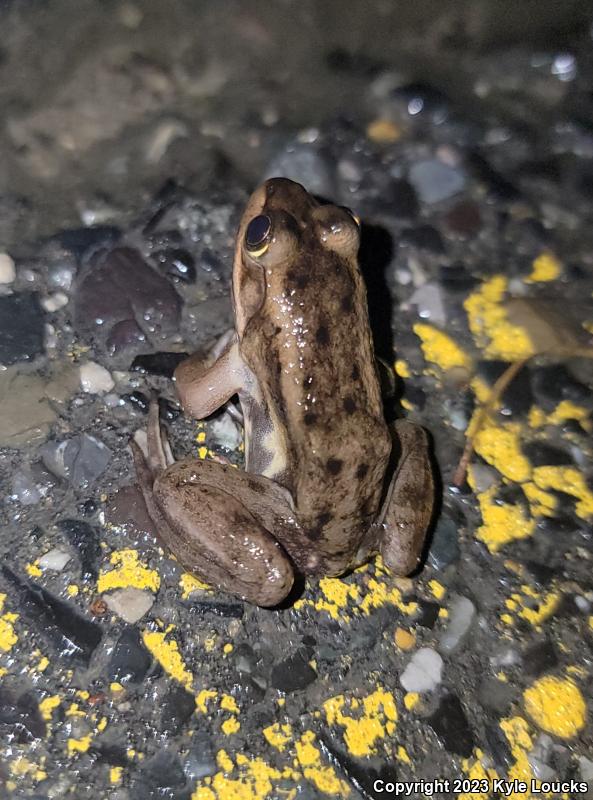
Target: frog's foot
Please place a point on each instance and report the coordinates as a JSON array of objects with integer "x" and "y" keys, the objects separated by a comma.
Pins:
[{"x": 407, "y": 511}]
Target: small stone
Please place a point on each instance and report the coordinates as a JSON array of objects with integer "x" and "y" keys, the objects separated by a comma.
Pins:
[
  {"x": 429, "y": 300},
  {"x": 126, "y": 509},
  {"x": 424, "y": 237},
  {"x": 130, "y": 604},
  {"x": 540, "y": 657},
  {"x": 177, "y": 708},
  {"x": 462, "y": 614},
  {"x": 130, "y": 660},
  {"x": 450, "y": 724},
  {"x": 293, "y": 674},
  {"x": 163, "y": 771},
  {"x": 24, "y": 489},
  {"x": 483, "y": 477},
  {"x": 63, "y": 385},
  {"x": 225, "y": 432},
  {"x": 304, "y": 164},
  {"x": 404, "y": 639},
  {"x": 444, "y": 547},
  {"x": 20, "y": 717},
  {"x": 586, "y": 768},
  {"x": 200, "y": 761},
  {"x": 160, "y": 364},
  {"x": 95, "y": 379},
  {"x": 81, "y": 459},
  {"x": 54, "y": 559},
  {"x": 21, "y": 327},
  {"x": 423, "y": 673},
  {"x": 464, "y": 218},
  {"x": 496, "y": 695},
  {"x": 26, "y": 415},
  {"x": 435, "y": 181},
  {"x": 7, "y": 269},
  {"x": 85, "y": 539},
  {"x": 54, "y": 302}
]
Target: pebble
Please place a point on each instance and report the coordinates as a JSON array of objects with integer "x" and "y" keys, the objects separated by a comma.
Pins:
[
  {"x": 26, "y": 414},
  {"x": 200, "y": 761},
  {"x": 401, "y": 200},
  {"x": 54, "y": 302},
  {"x": 163, "y": 771},
  {"x": 80, "y": 460},
  {"x": 429, "y": 300},
  {"x": 444, "y": 546},
  {"x": 177, "y": 708},
  {"x": 450, "y": 724},
  {"x": 424, "y": 237},
  {"x": 179, "y": 264},
  {"x": 20, "y": 717},
  {"x": 24, "y": 489},
  {"x": 95, "y": 379},
  {"x": 7, "y": 269},
  {"x": 540, "y": 657},
  {"x": 586, "y": 768},
  {"x": 421, "y": 101},
  {"x": 539, "y": 756},
  {"x": 130, "y": 660},
  {"x": 464, "y": 218},
  {"x": 423, "y": 673},
  {"x": 435, "y": 181},
  {"x": 293, "y": 674},
  {"x": 483, "y": 476},
  {"x": 55, "y": 559},
  {"x": 130, "y": 604},
  {"x": 224, "y": 432},
  {"x": 303, "y": 163},
  {"x": 21, "y": 327},
  {"x": 85, "y": 539},
  {"x": 462, "y": 614},
  {"x": 126, "y": 509}
]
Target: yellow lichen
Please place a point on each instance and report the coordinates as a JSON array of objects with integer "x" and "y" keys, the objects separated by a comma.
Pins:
[
  {"x": 383, "y": 131},
  {"x": 253, "y": 779},
  {"x": 230, "y": 725},
  {"x": 375, "y": 717},
  {"x": 568, "y": 480},
  {"x": 278, "y": 735},
  {"x": 8, "y": 637},
  {"x": 402, "y": 368},
  {"x": 440, "y": 349},
  {"x": 437, "y": 589},
  {"x": 404, "y": 639},
  {"x": 546, "y": 267},
  {"x": 129, "y": 571},
  {"x": 500, "y": 445},
  {"x": 488, "y": 321},
  {"x": 166, "y": 652},
  {"x": 323, "y": 778},
  {"x": 557, "y": 706},
  {"x": 79, "y": 745},
  {"x": 188, "y": 583},
  {"x": 501, "y": 522},
  {"x": 48, "y": 706},
  {"x": 115, "y": 774}
]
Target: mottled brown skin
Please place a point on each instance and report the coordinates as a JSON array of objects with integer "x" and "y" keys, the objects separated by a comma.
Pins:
[{"x": 317, "y": 447}]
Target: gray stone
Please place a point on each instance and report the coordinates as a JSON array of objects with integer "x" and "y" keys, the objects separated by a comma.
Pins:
[
  {"x": 21, "y": 327},
  {"x": 423, "y": 673},
  {"x": 305, "y": 164},
  {"x": 429, "y": 300},
  {"x": 80, "y": 460},
  {"x": 462, "y": 613},
  {"x": 444, "y": 547},
  {"x": 26, "y": 415},
  {"x": 130, "y": 604},
  {"x": 435, "y": 181},
  {"x": 24, "y": 489}
]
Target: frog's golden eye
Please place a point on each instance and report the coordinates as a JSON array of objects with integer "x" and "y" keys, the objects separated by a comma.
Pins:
[
  {"x": 257, "y": 235},
  {"x": 354, "y": 216}
]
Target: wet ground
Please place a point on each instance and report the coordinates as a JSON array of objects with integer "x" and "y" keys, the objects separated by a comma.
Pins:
[{"x": 131, "y": 136}]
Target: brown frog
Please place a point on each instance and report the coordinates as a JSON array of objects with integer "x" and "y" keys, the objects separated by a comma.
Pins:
[{"x": 326, "y": 484}]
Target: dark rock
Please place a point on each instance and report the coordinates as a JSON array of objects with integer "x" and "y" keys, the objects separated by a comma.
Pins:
[
  {"x": 499, "y": 188},
  {"x": 20, "y": 717},
  {"x": 456, "y": 278},
  {"x": 464, "y": 218},
  {"x": 428, "y": 613},
  {"x": 178, "y": 263},
  {"x": 161, "y": 364},
  {"x": 164, "y": 770},
  {"x": 167, "y": 410},
  {"x": 200, "y": 761},
  {"x": 177, "y": 708},
  {"x": 21, "y": 327},
  {"x": 120, "y": 289},
  {"x": 81, "y": 241},
  {"x": 138, "y": 400},
  {"x": 362, "y": 777},
  {"x": 517, "y": 398},
  {"x": 88, "y": 508},
  {"x": 81, "y": 459},
  {"x": 113, "y": 754},
  {"x": 554, "y": 383},
  {"x": 444, "y": 546},
  {"x": 401, "y": 200},
  {"x": 72, "y": 635},
  {"x": 542, "y": 454},
  {"x": 424, "y": 237},
  {"x": 497, "y": 695},
  {"x": 451, "y": 726},
  {"x": 499, "y": 747},
  {"x": 219, "y": 609},
  {"x": 540, "y": 657},
  {"x": 130, "y": 660},
  {"x": 85, "y": 539},
  {"x": 293, "y": 674},
  {"x": 127, "y": 509}
]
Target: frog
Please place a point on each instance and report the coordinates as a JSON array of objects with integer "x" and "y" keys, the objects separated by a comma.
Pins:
[{"x": 327, "y": 482}]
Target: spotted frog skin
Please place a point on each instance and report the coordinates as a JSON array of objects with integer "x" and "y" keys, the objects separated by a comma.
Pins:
[{"x": 327, "y": 484}]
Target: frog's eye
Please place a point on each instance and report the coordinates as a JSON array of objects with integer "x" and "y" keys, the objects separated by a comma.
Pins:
[
  {"x": 352, "y": 214},
  {"x": 257, "y": 235},
  {"x": 338, "y": 229}
]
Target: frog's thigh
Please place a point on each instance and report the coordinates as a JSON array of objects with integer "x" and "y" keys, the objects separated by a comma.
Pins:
[
  {"x": 219, "y": 524},
  {"x": 408, "y": 506}
]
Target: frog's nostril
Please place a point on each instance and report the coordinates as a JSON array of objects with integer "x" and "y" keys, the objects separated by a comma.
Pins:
[{"x": 257, "y": 232}]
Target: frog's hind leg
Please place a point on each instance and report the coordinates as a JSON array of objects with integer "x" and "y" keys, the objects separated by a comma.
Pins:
[
  {"x": 159, "y": 451},
  {"x": 408, "y": 506}
]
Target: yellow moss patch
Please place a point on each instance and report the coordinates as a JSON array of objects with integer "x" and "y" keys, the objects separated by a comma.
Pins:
[
  {"x": 129, "y": 571},
  {"x": 569, "y": 480},
  {"x": 252, "y": 779},
  {"x": 475, "y": 771},
  {"x": 501, "y": 523},
  {"x": 488, "y": 321},
  {"x": 437, "y": 589},
  {"x": 21, "y": 766},
  {"x": 166, "y": 652},
  {"x": 33, "y": 570},
  {"x": 115, "y": 774},
  {"x": 404, "y": 639},
  {"x": 202, "y": 699},
  {"x": 566, "y": 410},
  {"x": 72, "y": 590},
  {"x": 231, "y": 725},
  {"x": 541, "y": 503},
  {"x": 402, "y": 368},
  {"x": 440, "y": 349},
  {"x": 322, "y": 777},
  {"x": 517, "y": 733},
  {"x": 48, "y": 706},
  {"x": 500, "y": 445},
  {"x": 188, "y": 583},
  {"x": 532, "y": 606},
  {"x": 557, "y": 706},
  {"x": 8, "y": 637},
  {"x": 278, "y": 735},
  {"x": 79, "y": 745},
  {"x": 383, "y": 131},
  {"x": 375, "y": 718},
  {"x": 546, "y": 267}
]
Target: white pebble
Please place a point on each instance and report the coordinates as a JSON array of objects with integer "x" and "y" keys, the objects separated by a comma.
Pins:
[
  {"x": 130, "y": 603},
  {"x": 55, "y": 559},
  {"x": 95, "y": 379},
  {"x": 462, "y": 613},
  {"x": 54, "y": 301},
  {"x": 423, "y": 673},
  {"x": 7, "y": 270}
]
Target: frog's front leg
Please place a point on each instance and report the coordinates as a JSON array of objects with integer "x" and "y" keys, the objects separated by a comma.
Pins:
[
  {"x": 219, "y": 521},
  {"x": 407, "y": 509}
]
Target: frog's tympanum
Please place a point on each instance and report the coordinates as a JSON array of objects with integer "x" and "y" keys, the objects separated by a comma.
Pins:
[{"x": 326, "y": 484}]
